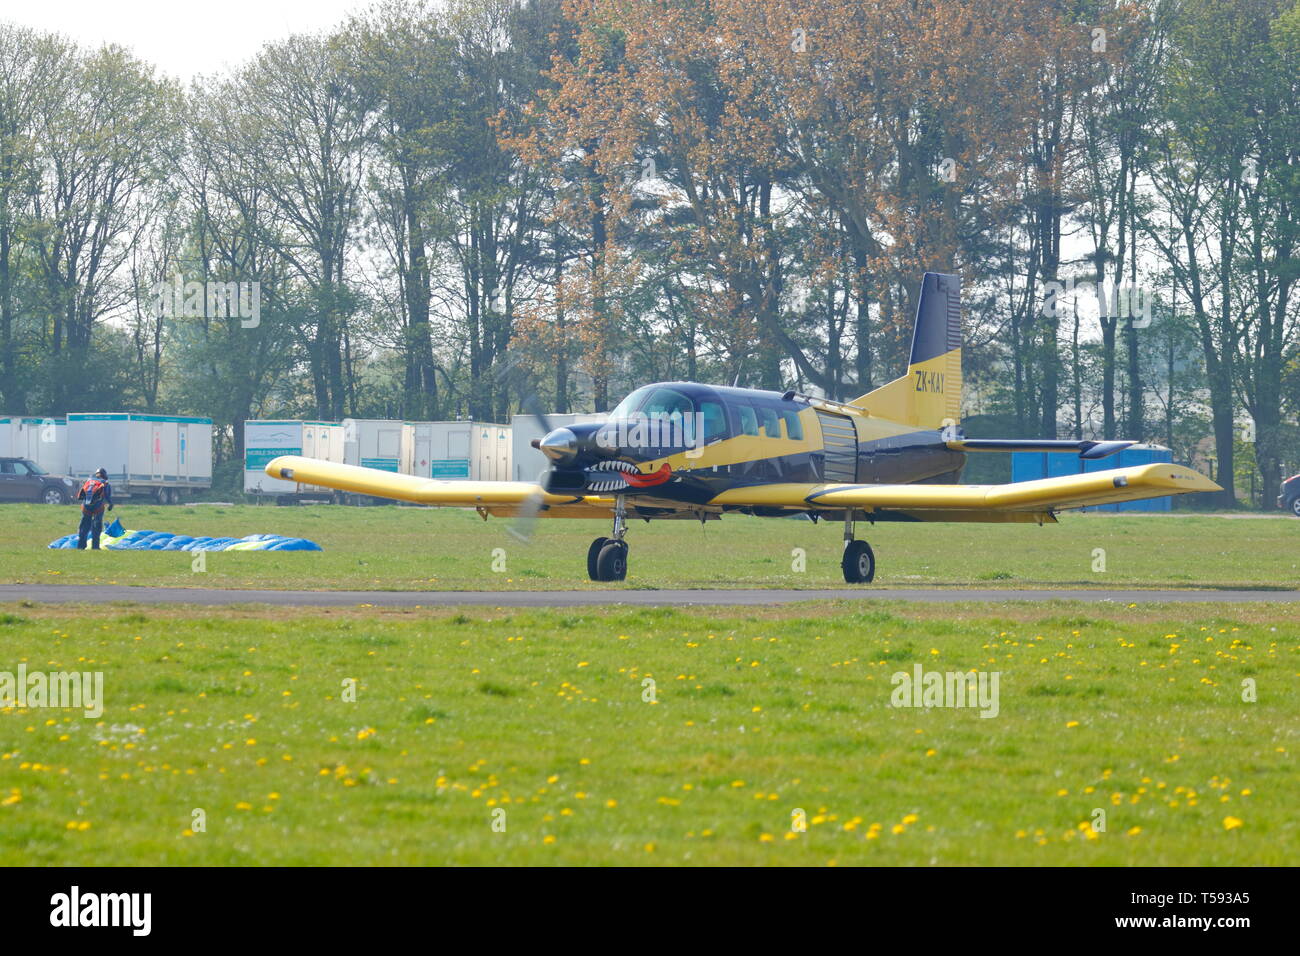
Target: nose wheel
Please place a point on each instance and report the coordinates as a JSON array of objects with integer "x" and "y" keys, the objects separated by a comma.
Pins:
[
  {"x": 607, "y": 557},
  {"x": 607, "y": 560},
  {"x": 859, "y": 561}
]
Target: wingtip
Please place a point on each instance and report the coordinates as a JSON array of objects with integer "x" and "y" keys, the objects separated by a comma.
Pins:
[
  {"x": 280, "y": 463},
  {"x": 1177, "y": 479},
  {"x": 1195, "y": 481}
]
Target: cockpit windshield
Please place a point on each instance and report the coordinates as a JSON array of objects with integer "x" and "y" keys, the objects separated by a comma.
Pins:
[{"x": 625, "y": 408}]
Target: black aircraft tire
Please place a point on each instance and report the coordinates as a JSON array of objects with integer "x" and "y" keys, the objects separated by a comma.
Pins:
[
  {"x": 859, "y": 563},
  {"x": 592, "y": 554},
  {"x": 611, "y": 563}
]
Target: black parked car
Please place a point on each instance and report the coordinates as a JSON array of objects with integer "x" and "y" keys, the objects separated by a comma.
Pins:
[
  {"x": 1290, "y": 496},
  {"x": 21, "y": 479}
]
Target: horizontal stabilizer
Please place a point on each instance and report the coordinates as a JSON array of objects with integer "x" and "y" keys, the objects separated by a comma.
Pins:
[{"x": 1086, "y": 449}]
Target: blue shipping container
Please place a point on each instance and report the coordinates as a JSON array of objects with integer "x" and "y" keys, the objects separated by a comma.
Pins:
[{"x": 1032, "y": 465}]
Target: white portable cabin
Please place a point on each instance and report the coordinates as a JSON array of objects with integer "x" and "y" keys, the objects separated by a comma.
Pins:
[
  {"x": 373, "y": 443},
  {"x": 452, "y": 450},
  {"x": 527, "y": 461},
  {"x": 267, "y": 439},
  {"x": 159, "y": 455},
  {"x": 42, "y": 440}
]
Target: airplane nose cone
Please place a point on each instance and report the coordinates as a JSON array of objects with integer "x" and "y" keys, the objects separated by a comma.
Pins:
[{"x": 560, "y": 445}]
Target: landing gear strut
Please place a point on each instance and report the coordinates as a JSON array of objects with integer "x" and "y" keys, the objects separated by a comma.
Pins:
[
  {"x": 607, "y": 557},
  {"x": 859, "y": 563}
]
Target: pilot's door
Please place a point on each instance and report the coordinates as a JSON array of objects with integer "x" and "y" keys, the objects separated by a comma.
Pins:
[{"x": 840, "y": 444}]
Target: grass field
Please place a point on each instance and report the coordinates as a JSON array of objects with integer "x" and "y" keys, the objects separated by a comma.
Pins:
[
  {"x": 655, "y": 736},
  {"x": 427, "y": 549},
  {"x": 756, "y": 715}
]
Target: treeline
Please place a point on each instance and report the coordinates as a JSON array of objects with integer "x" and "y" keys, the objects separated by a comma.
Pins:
[{"x": 469, "y": 208}]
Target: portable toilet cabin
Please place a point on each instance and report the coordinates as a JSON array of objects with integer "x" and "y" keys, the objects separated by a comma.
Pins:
[
  {"x": 373, "y": 443},
  {"x": 456, "y": 450},
  {"x": 268, "y": 439},
  {"x": 526, "y": 462},
  {"x": 494, "y": 451},
  {"x": 41, "y": 440},
  {"x": 159, "y": 456}
]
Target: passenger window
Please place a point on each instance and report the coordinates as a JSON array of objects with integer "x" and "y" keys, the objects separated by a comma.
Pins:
[
  {"x": 793, "y": 427},
  {"x": 715, "y": 421},
  {"x": 748, "y": 420},
  {"x": 771, "y": 424}
]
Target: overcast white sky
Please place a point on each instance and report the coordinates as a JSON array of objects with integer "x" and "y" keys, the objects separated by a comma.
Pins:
[{"x": 183, "y": 39}]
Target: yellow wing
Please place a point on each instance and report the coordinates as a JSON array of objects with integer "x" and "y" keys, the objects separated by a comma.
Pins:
[
  {"x": 501, "y": 498},
  {"x": 1019, "y": 501},
  {"x": 1025, "y": 501}
]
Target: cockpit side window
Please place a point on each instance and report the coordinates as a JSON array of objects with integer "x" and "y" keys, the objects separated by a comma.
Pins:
[
  {"x": 670, "y": 416},
  {"x": 770, "y": 423},
  {"x": 667, "y": 403}
]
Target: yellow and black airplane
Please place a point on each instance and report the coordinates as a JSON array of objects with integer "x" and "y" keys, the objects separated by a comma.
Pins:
[{"x": 684, "y": 450}]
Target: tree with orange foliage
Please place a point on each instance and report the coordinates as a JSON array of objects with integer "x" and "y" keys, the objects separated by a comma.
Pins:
[{"x": 901, "y": 125}]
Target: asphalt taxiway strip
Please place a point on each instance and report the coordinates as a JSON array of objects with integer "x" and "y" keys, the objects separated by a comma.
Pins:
[{"x": 215, "y": 597}]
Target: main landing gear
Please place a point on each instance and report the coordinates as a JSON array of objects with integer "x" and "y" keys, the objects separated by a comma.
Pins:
[
  {"x": 859, "y": 563},
  {"x": 607, "y": 557}
]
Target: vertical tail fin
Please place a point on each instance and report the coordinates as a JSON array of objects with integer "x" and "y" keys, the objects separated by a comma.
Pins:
[{"x": 929, "y": 395}]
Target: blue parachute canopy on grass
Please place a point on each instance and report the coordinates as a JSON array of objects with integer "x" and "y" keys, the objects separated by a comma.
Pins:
[{"x": 117, "y": 538}]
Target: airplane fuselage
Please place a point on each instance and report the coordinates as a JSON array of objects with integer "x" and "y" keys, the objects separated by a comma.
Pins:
[{"x": 685, "y": 443}]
